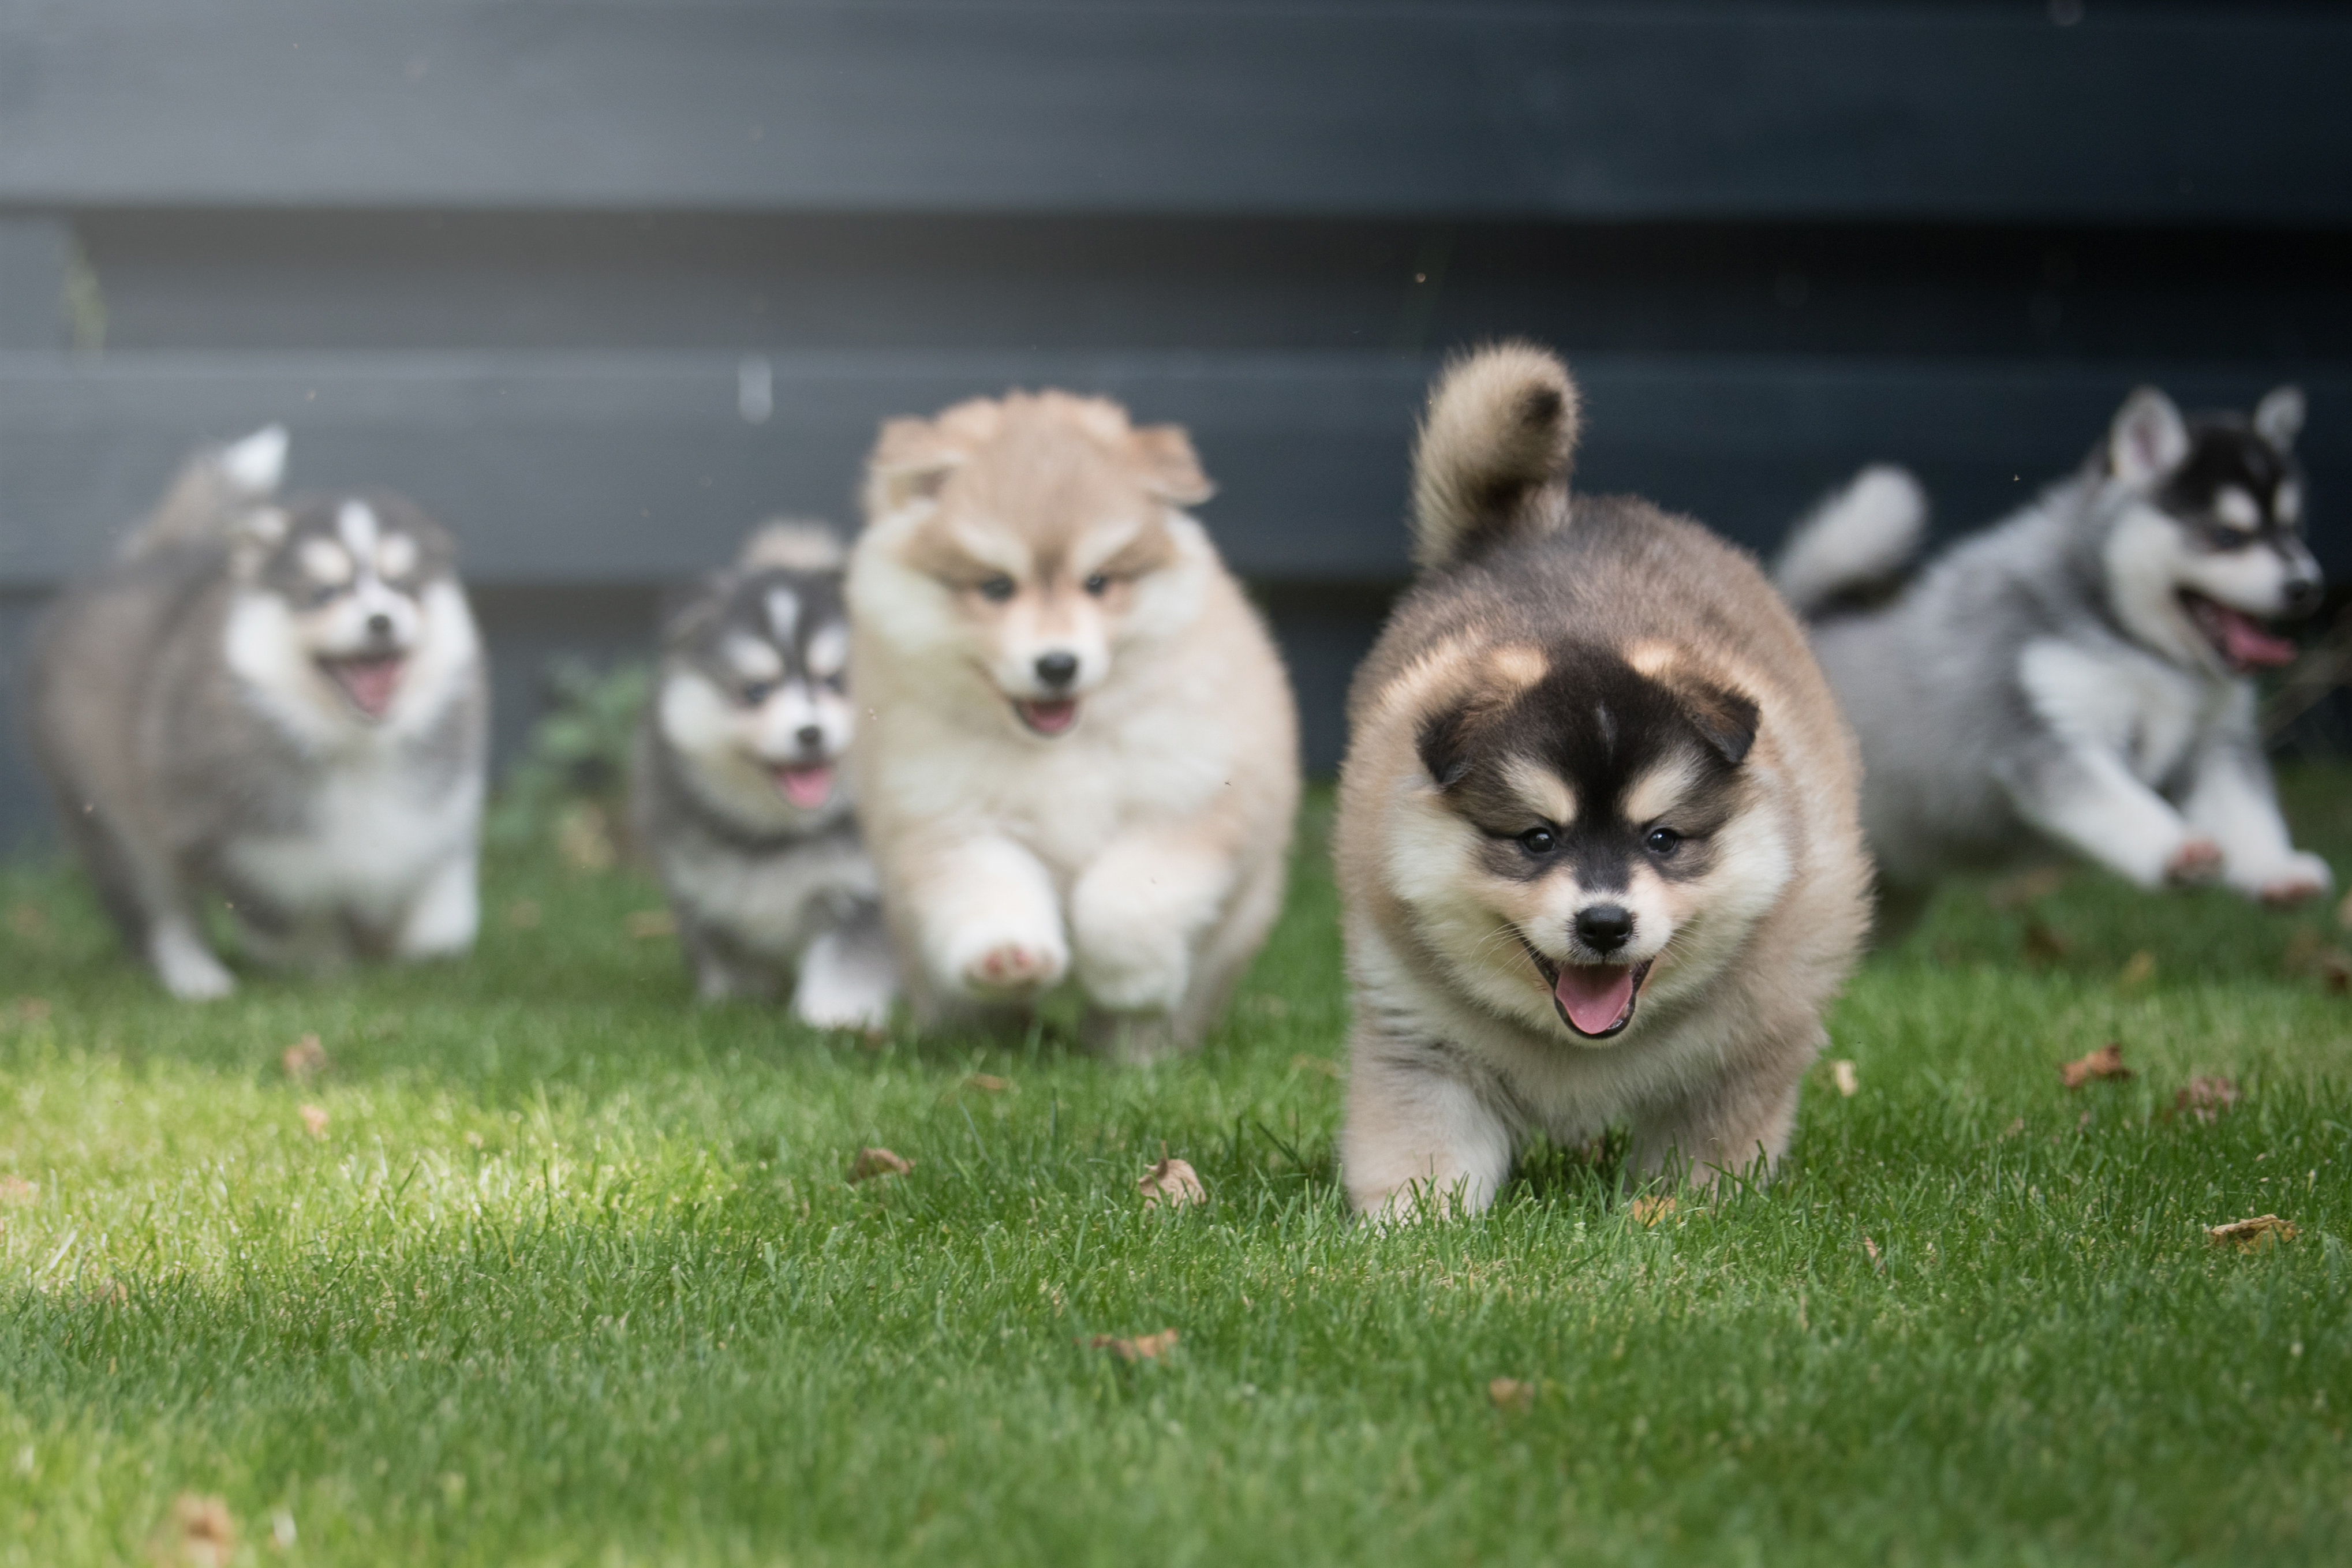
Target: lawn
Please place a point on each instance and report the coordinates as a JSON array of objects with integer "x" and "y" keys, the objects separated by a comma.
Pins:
[{"x": 544, "y": 1265}]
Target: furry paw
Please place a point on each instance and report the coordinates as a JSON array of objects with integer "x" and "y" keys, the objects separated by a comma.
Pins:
[
  {"x": 2305, "y": 876},
  {"x": 1011, "y": 967},
  {"x": 2197, "y": 860},
  {"x": 188, "y": 969}
]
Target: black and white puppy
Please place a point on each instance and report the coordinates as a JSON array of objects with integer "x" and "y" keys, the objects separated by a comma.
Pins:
[
  {"x": 2077, "y": 679},
  {"x": 741, "y": 788},
  {"x": 283, "y": 705}
]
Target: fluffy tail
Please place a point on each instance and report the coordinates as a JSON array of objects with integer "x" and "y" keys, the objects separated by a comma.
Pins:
[
  {"x": 215, "y": 487},
  {"x": 1861, "y": 537},
  {"x": 1500, "y": 429}
]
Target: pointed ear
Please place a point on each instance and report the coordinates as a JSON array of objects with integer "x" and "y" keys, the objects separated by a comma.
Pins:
[
  {"x": 1726, "y": 719},
  {"x": 691, "y": 611},
  {"x": 2278, "y": 418},
  {"x": 1443, "y": 743},
  {"x": 1172, "y": 471},
  {"x": 911, "y": 460},
  {"x": 257, "y": 464},
  {"x": 2148, "y": 439}
]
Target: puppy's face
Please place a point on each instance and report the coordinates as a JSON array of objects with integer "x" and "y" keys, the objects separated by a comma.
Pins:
[
  {"x": 755, "y": 694},
  {"x": 350, "y": 590},
  {"x": 1580, "y": 836},
  {"x": 1033, "y": 544},
  {"x": 2207, "y": 546}
]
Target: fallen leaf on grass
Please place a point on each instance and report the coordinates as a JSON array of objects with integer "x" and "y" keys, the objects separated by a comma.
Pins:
[
  {"x": 2137, "y": 970},
  {"x": 987, "y": 1083},
  {"x": 109, "y": 1292},
  {"x": 2250, "y": 1235},
  {"x": 29, "y": 921},
  {"x": 2045, "y": 944},
  {"x": 2016, "y": 892},
  {"x": 15, "y": 1191},
  {"x": 1842, "y": 1074},
  {"x": 2107, "y": 1061},
  {"x": 314, "y": 1121},
  {"x": 25, "y": 1010},
  {"x": 2014, "y": 1128},
  {"x": 201, "y": 1533},
  {"x": 1322, "y": 1064},
  {"x": 1173, "y": 1182},
  {"x": 523, "y": 915},
  {"x": 1512, "y": 1394},
  {"x": 1876, "y": 1261},
  {"x": 872, "y": 1163},
  {"x": 2205, "y": 1098},
  {"x": 584, "y": 839},
  {"x": 305, "y": 1058},
  {"x": 647, "y": 924},
  {"x": 1649, "y": 1210},
  {"x": 1142, "y": 1347}
]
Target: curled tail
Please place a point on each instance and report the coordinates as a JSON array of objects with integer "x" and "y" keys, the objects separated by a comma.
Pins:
[
  {"x": 215, "y": 487},
  {"x": 1500, "y": 429},
  {"x": 1858, "y": 539}
]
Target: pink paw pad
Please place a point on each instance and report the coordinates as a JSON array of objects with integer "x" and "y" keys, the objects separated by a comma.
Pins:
[{"x": 2196, "y": 860}]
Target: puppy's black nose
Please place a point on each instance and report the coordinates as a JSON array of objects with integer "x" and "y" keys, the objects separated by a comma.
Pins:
[
  {"x": 379, "y": 625},
  {"x": 2303, "y": 595},
  {"x": 1057, "y": 668},
  {"x": 1604, "y": 927},
  {"x": 810, "y": 735}
]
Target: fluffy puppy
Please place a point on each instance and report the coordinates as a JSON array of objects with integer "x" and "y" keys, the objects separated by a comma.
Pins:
[
  {"x": 741, "y": 788},
  {"x": 282, "y": 705},
  {"x": 1083, "y": 751},
  {"x": 1597, "y": 844},
  {"x": 2078, "y": 677}
]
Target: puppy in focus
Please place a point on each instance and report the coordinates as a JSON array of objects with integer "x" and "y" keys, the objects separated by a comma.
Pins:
[
  {"x": 1597, "y": 842},
  {"x": 2080, "y": 677},
  {"x": 741, "y": 793},
  {"x": 281, "y": 706},
  {"x": 1084, "y": 756}
]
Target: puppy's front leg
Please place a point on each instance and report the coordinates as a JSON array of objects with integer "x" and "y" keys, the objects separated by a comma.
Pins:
[
  {"x": 1138, "y": 912},
  {"x": 848, "y": 977},
  {"x": 2232, "y": 802},
  {"x": 2086, "y": 798},
  {"x": 445, "y": 913},
  {"x": 987, "y": 924},
  {"x": 1420, "y": 1138}
]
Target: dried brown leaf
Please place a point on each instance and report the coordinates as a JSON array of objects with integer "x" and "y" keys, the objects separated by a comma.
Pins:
[
  {"x": 2252, "y": 1234},
  {"x": 1322, "y": 1064},
  {"x": 1876, "y": 1261},
  {"x": 647, "y": 924},
  {"x": 583, "y": 837},
  {"x": 523, "y": 915},
  {"x": 306, "y": 1058},
  {"x": 1173, "y": 1182},
  {"x": 2025, "y": 887},
  {"x": 314, "y": 1121},
  {"x": 987, "y": 1083},
  {"x": 1848, "y": 1081},
  {"x": 2205, "y": 1098},
  {"x": 25, "y": 1010},
  {"x": 201, "y": 1533},
  {"x": 15, "y": 1191},
  {"x": 877, "y": 1162},
  {"x": 2015, "y": 1127},
  {"x": 1649, "y": 1210},
  {"x": 1142, "y": 1347},
  {"x": 2107, "y": 1061},
  {"x": 1512, "y": 1394},
  {"x": 2137, "y": 970},
  {"x": 2045, "y": 944}
]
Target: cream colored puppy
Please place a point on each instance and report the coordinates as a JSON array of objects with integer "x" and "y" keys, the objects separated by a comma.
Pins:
[
  {"x": 1598, "y": 842},
  {"x": 1080, "y": 754}
]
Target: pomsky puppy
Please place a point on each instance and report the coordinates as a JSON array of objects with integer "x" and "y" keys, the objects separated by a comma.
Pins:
[
  {"x": 1596, "y": 845},
  {"x": 742, "y": 789},
  {"x": 284, "y": 705},
  {"x": 2078, "y": 677},
  {"x": 1082, "y": 751}
]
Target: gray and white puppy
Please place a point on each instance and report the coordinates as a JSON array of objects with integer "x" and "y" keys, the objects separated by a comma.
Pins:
[
  {"x": 2077, "y": 677},
  {"x": 741, "y": 788},
  {"x": 280, "y": 705}
]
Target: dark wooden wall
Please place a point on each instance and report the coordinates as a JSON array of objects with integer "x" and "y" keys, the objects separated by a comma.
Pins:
[{"x": 602, "y": 284}]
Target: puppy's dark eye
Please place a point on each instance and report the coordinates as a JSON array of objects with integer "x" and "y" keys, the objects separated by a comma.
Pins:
[
  {"x": 996, "y": 590},
  {"x": 1537, "y": 841},
  {"x": 756, "y": 691},
  {"x": 1663, "y": 842},
  {"x": 1098, "y": 585}
]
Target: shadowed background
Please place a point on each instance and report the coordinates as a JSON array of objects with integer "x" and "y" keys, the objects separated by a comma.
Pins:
[{"x": 602, "y": 285}]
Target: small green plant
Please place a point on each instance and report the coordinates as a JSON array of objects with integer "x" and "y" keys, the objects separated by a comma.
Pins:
[{"x": 570, "y": 784}]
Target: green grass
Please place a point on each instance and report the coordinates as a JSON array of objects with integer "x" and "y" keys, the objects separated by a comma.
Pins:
[{"x": 574, "y": 1274}]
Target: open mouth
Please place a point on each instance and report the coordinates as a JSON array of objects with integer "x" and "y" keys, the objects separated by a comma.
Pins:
[
  {"x": 1596, "y": 1001},
  {"x": 1050, "y": 717},
  {"x": 2244, "y": 644},
  {"x": 369, "y": 683},
  {"x": 807, "y": 787}
]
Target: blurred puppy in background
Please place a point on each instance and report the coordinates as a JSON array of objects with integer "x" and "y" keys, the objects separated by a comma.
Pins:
[
  {"x": 283, "y": 705},
  {"x": 1597, "y": 846},
  {"x": 1084, "y": 754},
  {"x": 741, "y": 789},
  {"x": 2078, "y": 678}
]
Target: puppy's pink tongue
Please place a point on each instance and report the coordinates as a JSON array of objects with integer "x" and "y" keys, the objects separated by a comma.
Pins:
[
  {"x": 370, "y": 683},
  {"x": 1594, "y": 996},
  {"x": 1050, "y": 717},
  {"x": 806, "y": 786},
  {"x": 2245, "y": 641}
]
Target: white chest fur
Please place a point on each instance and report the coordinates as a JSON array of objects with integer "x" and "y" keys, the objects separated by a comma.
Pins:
[
  {"x": 2141, "y": 710},
  {"x": 771, "y": 903},
  {"x": 376, "y": 833}
]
